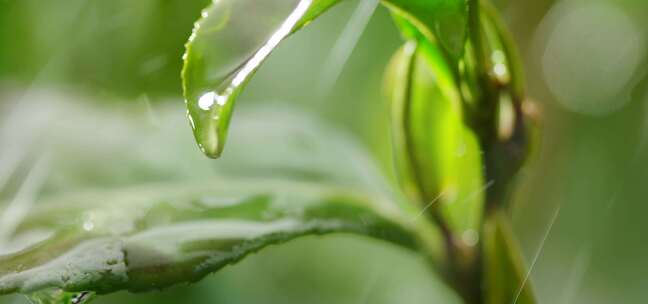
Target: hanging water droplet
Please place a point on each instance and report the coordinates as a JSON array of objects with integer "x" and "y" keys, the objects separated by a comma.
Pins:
[
  {"x": 58, "y": 296},
  {"x": 218, "y": 63},
  {"x": 209, "y": 119},
  {"x": 82, "y": 297}
]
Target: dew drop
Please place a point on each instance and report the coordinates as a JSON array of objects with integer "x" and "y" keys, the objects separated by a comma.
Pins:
[
  {"x": 58, "y": 296},
  {"x": 89, "y": 222},
  {"x": 213, "y": 78},
  {"x": 88, "y": 226}
]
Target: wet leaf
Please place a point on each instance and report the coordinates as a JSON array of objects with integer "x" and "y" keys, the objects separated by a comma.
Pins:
[
  {"x": 57, "y": 296},
  {"x": 234, "y": 37},
  {"x": 437, "y": 157},
  {"x": 182, "y": 220},
  {"x": 155, "y": 236},
  {"x": 227, "y": 46}
]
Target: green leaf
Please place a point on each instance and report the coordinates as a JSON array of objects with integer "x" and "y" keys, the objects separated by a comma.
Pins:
[
  {"x": 182, "y": 219},
  {"x": 492, "y": 88},
  {"x": 496, "y": 58},
  {"x": 437, "y": 157},
  {"x": 502, "y": 50},
  {"x": 505, "y": 277},
  {"x": 442, "y": 21},
  {"x": 234, "y": 37},
  {"x": 57, "y": 296},
  {"x": 227, "y": 46},
  {"x": 155, "y": 236}
]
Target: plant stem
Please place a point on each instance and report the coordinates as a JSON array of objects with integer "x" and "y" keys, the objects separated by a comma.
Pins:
[
  {"x": 499, "y": 155},
  {"x": 483, "y": 120}
]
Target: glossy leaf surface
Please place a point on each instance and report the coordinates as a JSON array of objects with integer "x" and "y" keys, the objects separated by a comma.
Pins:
[
  {"x": 227, "y": 46},
  {"x": 178, "y": 221},
  {"x": 436, "y": 155},
  {"x": 156, "y": 236},
  {"x": 234, "y": 37}
]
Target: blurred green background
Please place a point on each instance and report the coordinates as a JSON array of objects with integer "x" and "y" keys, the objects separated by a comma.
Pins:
[{"x": 586, "y": 63}]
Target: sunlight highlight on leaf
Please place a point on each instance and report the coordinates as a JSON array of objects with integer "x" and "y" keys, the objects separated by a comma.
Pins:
[
  {"x": 152, "y": 237},
  {"x": 233, "y": 38},
  {"x": 437, "y": 157},
  {"x": 218, "y": 63}
]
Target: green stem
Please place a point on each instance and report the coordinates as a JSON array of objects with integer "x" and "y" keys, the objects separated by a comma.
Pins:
[
  {"x": 502, "y": 157},
  {"x": 483, "y": 121}
]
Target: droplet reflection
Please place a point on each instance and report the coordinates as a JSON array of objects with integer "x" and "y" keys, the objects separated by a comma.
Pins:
[{"x": 211, "y": 90}]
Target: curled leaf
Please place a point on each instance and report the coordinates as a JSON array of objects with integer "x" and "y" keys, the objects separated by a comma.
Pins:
[{"x": 437, "y": 157}]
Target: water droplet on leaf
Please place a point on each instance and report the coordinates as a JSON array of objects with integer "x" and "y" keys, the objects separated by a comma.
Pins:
[
  {"x": 219, "y": 62},
  {"x": 58, "y": 296}
]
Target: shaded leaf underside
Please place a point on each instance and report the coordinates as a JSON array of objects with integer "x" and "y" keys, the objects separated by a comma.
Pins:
[
  {"x": 153, "y": 237},
  {"x": 180, "y": 220}
]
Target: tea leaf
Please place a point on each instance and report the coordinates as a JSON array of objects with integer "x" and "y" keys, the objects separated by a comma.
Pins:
[
  {"x": 154, "y": 236},
  {"x": 437, "y": 157},
  {"x": 440, "y": 21},
  {"x": 227, "y": 46},
  {"x": 234, "y": 37},
  {"x": 178, "y": 221}
]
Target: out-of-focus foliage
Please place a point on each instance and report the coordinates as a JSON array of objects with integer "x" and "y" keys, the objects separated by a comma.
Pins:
[
  {"x": 119, "y": 48},
  {"x": 150, "y": 234},
  {"x": 593, "y": 166}
]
